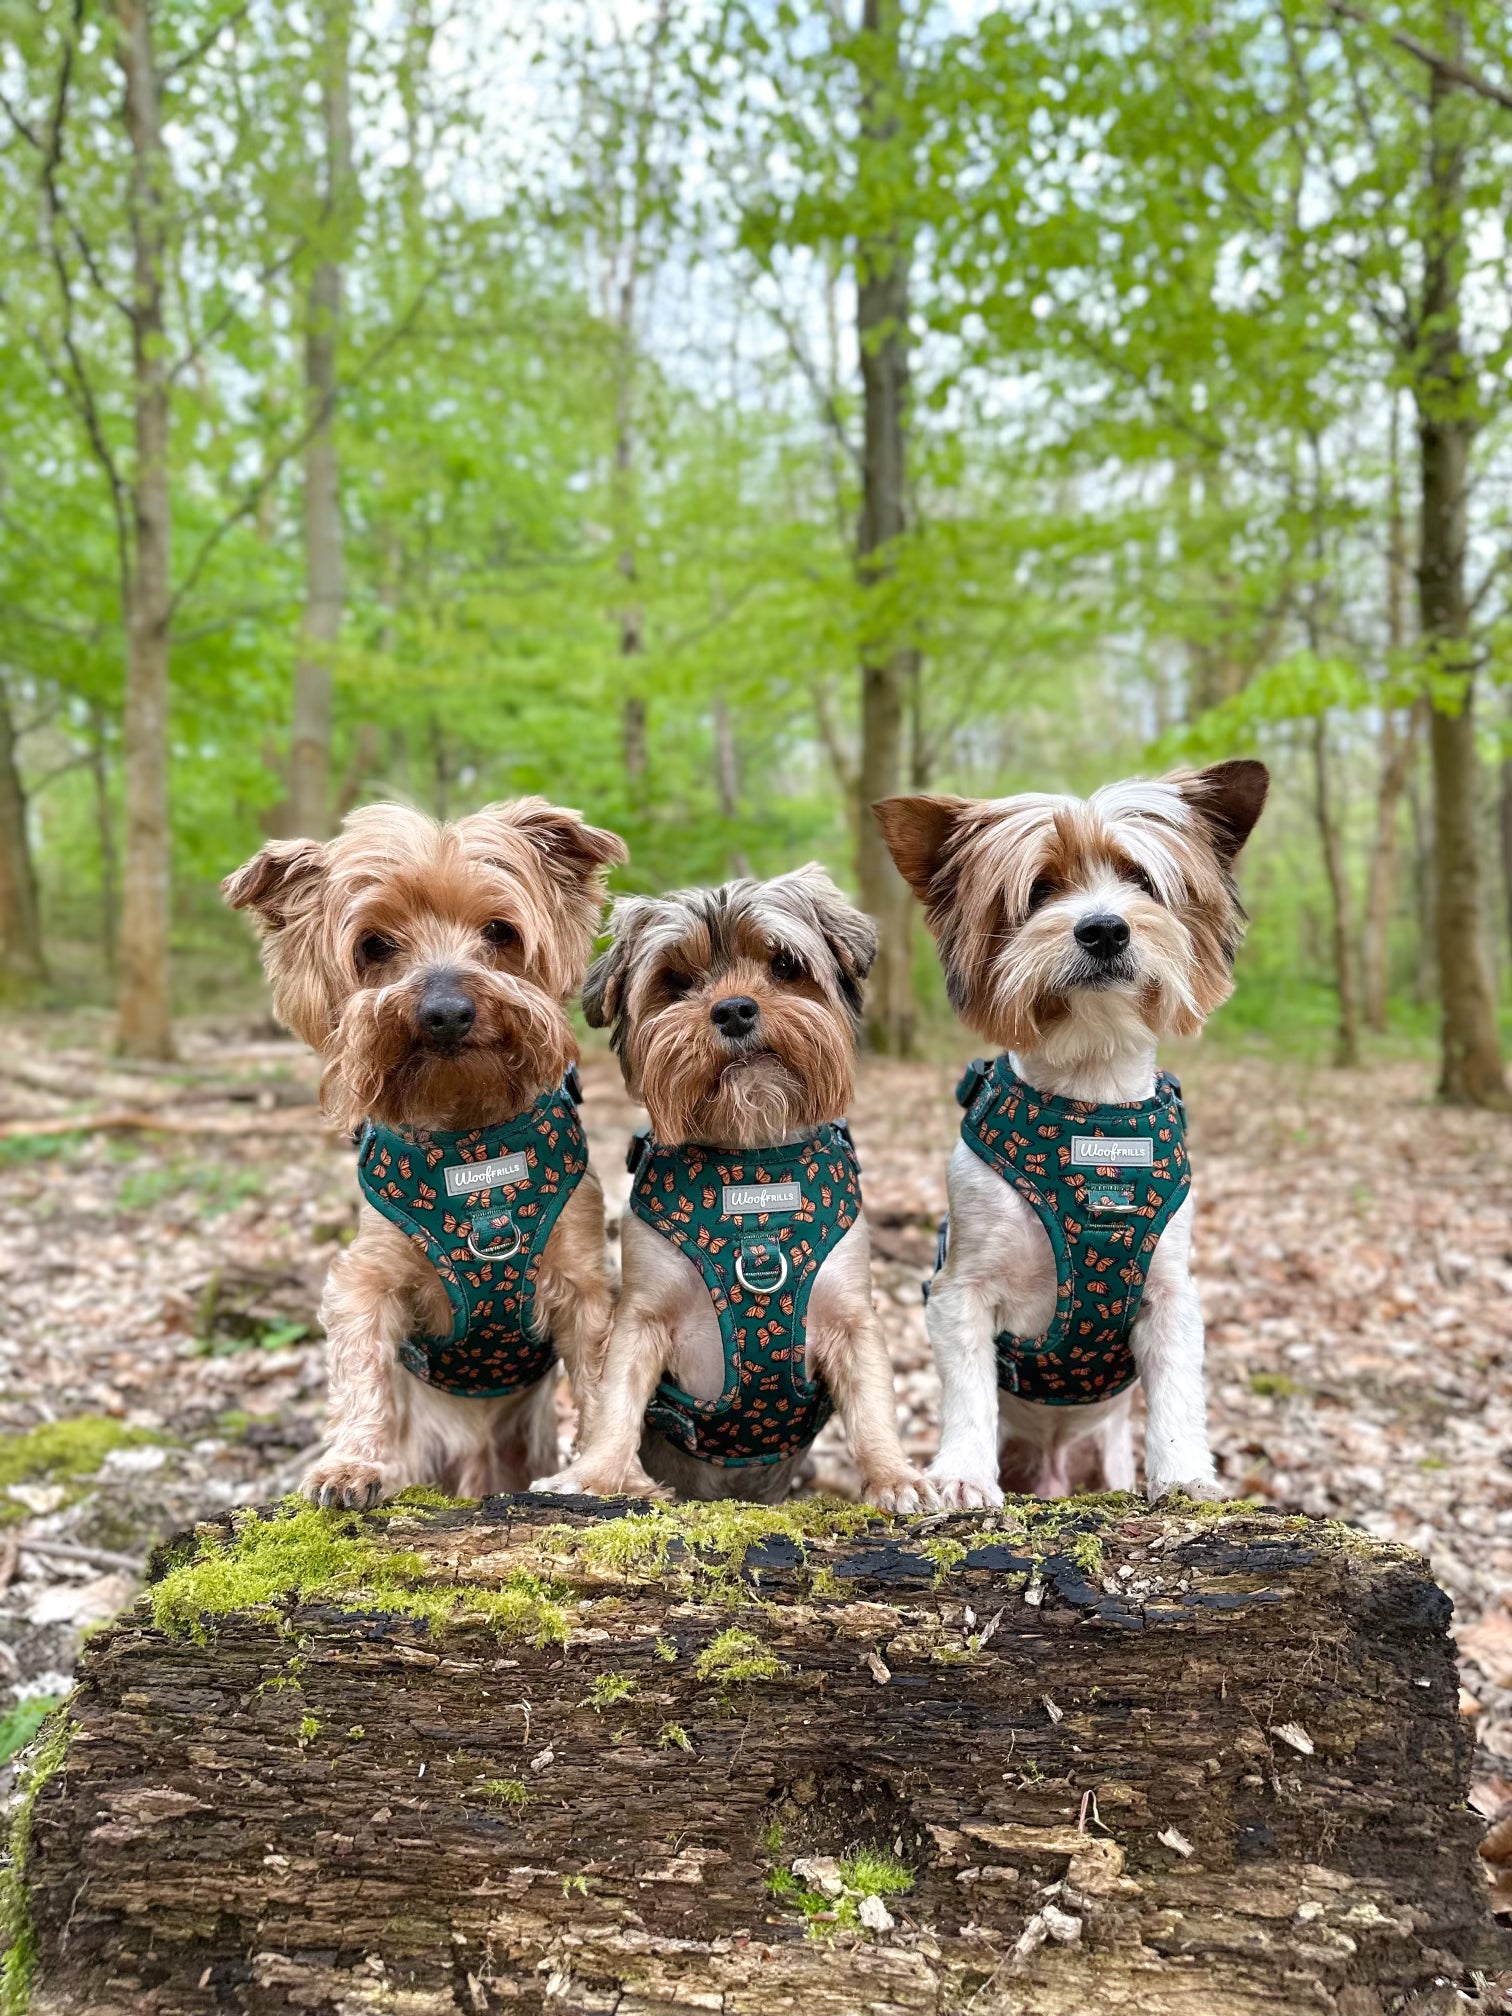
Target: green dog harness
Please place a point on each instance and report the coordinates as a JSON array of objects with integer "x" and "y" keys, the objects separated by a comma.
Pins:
[
  {"x": 758, "y": 1226},
  {"x": 1104, "y": 1181},
  {"x": 480, "y": 1207}
]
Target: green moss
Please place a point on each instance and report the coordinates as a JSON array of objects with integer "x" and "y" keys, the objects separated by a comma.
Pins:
[
  {"x": 772, "y": 1837},
  {"x": 303, "y": 1555},
  {"x": 872, "y": 1872},
  {"x": 578, "y": 1883},
  {"x": 951, "y": 1655},
  {"x": 666, "y": 1650},
  {"x": 421, "y": 1498},
  {"x": 710, "y": 1540},
  {"x": 1275, "y": 1386},
  {"x": 356, "y": 1733},
  {"x": 945, "y": 1554},
  {"x": 826, "y": 1584},
  {"x": 737, "y": 1658},
  {"x": 672, "y": 1735},
  {"x": 512, "y": 1792},
  {"x": 62, "y": 1452},
  {"x": 20, "y": 1959},
  {"x": 606, "y": 1689},
  {"x": 309, "y": 1729}
]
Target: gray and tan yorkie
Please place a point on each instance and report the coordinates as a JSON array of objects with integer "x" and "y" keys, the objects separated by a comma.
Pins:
[
  {"x": 745, "y": 1310},
  {"x": 429, "y": 965},
  {"x": 1075, "y": 934}
]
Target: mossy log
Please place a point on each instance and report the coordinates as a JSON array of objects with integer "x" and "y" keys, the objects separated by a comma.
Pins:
[{"x": 551, "y": 1757}]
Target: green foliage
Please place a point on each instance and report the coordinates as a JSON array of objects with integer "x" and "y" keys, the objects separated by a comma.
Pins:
[
  {"x": 19, "y": 1961},
  {"x": 738, "y": 1659},
  {"x": 21, "y": 1721}
]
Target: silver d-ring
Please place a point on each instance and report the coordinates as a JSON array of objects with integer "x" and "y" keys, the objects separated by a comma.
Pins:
[
  {"x": 495, "y": 1252},
  {"x": 752, "y": 1287}
]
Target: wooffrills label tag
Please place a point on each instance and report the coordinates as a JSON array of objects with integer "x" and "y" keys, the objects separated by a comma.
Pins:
[
  {"x": 1098, "y": 1151},
  {"x": 463, "y": 1178},
  {"x": 743, "y": 1199}
]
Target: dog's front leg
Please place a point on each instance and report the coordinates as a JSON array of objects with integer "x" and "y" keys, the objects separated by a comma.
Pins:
[
  {"x": 852, "y": 1355},
  {"x": 608, "y": 1462},
  {"x": 575, "y": 1296},
  {"x": 362, "y": 1461},
  {"x": 959, "y": 1321},
  {"x": 1167, "y": 1342}
]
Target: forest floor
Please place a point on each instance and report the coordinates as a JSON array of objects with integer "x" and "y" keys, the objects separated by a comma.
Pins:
[{"x": 159, "y": 1357}]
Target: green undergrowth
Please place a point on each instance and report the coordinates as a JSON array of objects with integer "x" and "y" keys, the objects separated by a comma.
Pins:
[
  {"x": 19, "y": 1963},
  {"x": 20, "y": 1723},
  {"x": 303, "y": 1555},
  {"x": 704, "y": 1544},
  {"x": 421, "y": 1498},
  {"x": 62, "y": 1452}
]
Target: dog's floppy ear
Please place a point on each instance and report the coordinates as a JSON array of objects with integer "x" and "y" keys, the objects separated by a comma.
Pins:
[
  {"x": 916, "y": 830},
  {"x": 276, "y": 885},
  {"x": 604, "y": 988},
  {"x": 566, "y": 839},
  {"x": 1228, "y": 797}
]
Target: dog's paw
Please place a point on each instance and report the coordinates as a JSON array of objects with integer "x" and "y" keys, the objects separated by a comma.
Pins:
[
  {"x": 578, "y": 1482},
  {"x": 907, "y": 1491},
  {"x": 1201, "y": 1490},
  {"x": 954, "y": 1493},
  {"x": 344, "y": 1486}
]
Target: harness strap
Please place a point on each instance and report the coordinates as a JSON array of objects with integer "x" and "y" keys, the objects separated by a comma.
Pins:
[
  {"x": 1104, "y": 1182},
  {"x": 480, "y": 1206},
  {"x": 758, "y": 1225}
]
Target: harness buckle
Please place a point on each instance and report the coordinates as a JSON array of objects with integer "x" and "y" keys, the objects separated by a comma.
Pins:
[
  {"x": 495, "y": 1252},
  {"x": 971, "y": 1079},
  {"x": 572, "y": 1084},
  {"x": 639, "y": 1149},
  {"x": 761, "y": 1287}
]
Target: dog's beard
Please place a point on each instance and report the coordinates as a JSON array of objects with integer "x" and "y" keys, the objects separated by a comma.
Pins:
[
  {"x": 792, "y": 1075},
  {"x": 379, "y": 1067},
  {"x": 1042, "y": 988}
]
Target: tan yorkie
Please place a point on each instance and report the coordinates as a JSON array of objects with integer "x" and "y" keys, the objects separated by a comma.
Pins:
[
  {"x": 1074, "y": 935},
  {"x": 746, "y": 1309},
  {"x": 429, "y": 965}
]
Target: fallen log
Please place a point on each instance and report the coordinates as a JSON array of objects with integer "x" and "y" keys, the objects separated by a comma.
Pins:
[{"x": 550, "y": 1756}]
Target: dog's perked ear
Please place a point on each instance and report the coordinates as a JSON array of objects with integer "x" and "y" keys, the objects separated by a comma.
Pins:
[
  {"x": 1229, "y": 798},
  {"x": 277, "y": 884},
  {"x": 916, "y": 830}
]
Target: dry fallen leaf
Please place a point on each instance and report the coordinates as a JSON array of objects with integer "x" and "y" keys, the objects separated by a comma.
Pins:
[
  {"x": 1296, "y": 1735},
  {"x": 1176, "y": 1840},
  {"x": 880, "y": 1671}
]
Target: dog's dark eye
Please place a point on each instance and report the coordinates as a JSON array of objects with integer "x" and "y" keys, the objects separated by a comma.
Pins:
[
  {"x": 1143, "y": 881},
  {"x": 1040, "y": 892},
  {"x": 786, "y": 967},
  {"x": 375, "y": 949},
  {"x": 677, "y": 984},
  {"x": 497, "y": 932}
]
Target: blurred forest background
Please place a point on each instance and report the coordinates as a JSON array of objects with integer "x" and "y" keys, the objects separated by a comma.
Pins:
[{"x": 718, "y": 413}]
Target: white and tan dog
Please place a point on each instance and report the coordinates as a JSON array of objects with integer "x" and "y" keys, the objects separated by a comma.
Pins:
[
  {"x": 1074, "y": 934},
  {"x": 746, "y": 1298},
  {"x": 429, "y": 966}
]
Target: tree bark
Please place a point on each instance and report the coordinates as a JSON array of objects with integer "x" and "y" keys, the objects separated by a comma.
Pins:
[
  {"x": 1120, "y": 1758},
  {"x": 1443, "y": 387},
  {"x": 105, "y": 836},
  {"x": 1504, "y": 810},
  {"x": 23, "y": 965},
  {"x": 1398, "y": 750},
  {"x": 889, "y": 667},
  {"x": 143, "y": 1001},
  {"x": 1347, "y": 1030},
  {"x": 325, "y": 565}
]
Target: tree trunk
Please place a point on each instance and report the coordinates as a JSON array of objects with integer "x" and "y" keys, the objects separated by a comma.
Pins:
[
  {"x": 1107, "y": 1757},
  {"x": 325, "y": 571},
  {"x": 888, "y": 667},
  {"x": 1347, "y": 1032},
  {"x": 145, "y": 1024},
  {"x": 1471, "y": 1067},
  {"x": 1398, "y": 749},
  {"x": 1504, "y": 809},
  {"x": 23, "y": 966},
  {"x": 727, "y": 777},
  {"x": 105, "y": 837}
]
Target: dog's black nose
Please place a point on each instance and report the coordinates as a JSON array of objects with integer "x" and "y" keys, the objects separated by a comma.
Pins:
[
  {"x": 735, "y": 1015},
  {"x": 446, "y": 1013},
  {"x": 1103, "y": 936}
]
